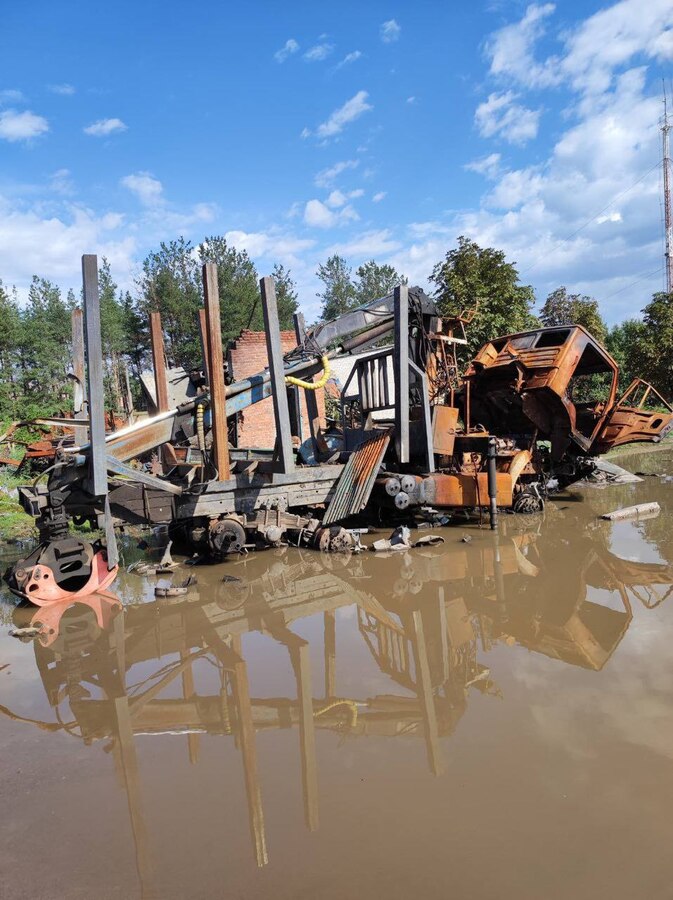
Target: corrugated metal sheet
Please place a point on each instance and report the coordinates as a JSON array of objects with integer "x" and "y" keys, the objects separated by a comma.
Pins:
[{"x": 357, "y": 479}]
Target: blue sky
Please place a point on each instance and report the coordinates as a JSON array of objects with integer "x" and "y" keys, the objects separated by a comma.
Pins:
[{"x": 373, "y": 129}]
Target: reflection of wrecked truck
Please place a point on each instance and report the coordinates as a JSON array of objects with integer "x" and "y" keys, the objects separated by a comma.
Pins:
[{"x": 414, "y": 434}]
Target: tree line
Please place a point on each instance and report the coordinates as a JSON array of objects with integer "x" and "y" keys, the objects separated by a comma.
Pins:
[{"x": 35, "y": 339}]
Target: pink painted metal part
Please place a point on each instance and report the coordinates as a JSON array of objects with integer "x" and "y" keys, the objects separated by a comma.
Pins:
[{"x": 39, "y": 585}]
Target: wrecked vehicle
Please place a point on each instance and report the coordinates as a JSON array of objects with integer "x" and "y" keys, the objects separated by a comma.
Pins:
[{"x": 415, "y": 436}]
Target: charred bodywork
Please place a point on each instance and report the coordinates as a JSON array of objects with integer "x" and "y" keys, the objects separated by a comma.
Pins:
[{"x": 413, "y": 434}]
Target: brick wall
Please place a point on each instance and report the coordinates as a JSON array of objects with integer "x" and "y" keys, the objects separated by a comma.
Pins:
[{"x": 247, "y": 356}]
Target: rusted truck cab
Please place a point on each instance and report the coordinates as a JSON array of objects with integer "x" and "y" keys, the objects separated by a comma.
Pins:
[{"x": 560, "y": 384}]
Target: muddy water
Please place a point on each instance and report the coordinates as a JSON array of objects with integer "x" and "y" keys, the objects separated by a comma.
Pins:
[{"x": 483, "y": 719}]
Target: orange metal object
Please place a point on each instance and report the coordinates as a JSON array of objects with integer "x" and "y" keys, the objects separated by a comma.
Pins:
[
  {"x": 39, "y": 585},
  {"x": 466, "y": 490}
]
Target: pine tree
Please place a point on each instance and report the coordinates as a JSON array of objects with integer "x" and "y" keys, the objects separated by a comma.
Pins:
[{"x": 339, "y": 293}]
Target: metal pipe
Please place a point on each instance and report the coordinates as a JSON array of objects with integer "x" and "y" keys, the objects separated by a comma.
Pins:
[{"x": 492, "y": 483}]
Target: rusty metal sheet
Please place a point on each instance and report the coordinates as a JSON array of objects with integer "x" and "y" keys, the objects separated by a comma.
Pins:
[
  {"x": 444, "y": 422},
  {"x": 357, "y": 479},
  {"x": 466, "y": 490}
]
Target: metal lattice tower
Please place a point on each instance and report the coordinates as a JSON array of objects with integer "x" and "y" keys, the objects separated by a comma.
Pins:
[{"x": 668, "y": 213}]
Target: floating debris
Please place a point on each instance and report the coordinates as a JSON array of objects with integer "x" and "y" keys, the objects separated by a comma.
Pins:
[
  {"x": 640, "y": 511},
  {"x": 176, "y": 590}
]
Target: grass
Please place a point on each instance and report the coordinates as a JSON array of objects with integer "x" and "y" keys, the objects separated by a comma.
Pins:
[{"x": 14, "y": 522}]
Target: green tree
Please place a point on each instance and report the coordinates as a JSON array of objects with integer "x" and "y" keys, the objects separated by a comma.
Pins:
[
  {"x": 650, "y": 356},
  {"x": 624, "y": 342},
  {"x": 562, "y": 308},
  {"x": 375, "y": 281},
  {"x": 472, "y": 276},
  {"x": 10, "y": 339},
  {"x": 46, "y": 349},
  {"x": 114, "y": 337},
  {"x": 238, "y": 286},
  {"x": 338, "y": 294},
  {"x": 286, "y": 295},
  {"x": 170, "y": 285}
]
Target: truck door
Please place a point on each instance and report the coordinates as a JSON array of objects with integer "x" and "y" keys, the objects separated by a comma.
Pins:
[{"x": 641, "y": 414}]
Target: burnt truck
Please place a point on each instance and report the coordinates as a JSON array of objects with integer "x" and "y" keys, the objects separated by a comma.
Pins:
[{"x": 416, "y": 436}]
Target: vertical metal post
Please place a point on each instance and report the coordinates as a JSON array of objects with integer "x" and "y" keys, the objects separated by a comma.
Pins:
[
  {"x": 203, "y": 331},
  {"x": 277, "y": 372},
  {"x": 425, "y": 695},
  {"x": 310, "y": 396},
  {"x": 128, "y": 402},
  {"x": 401, "y": 372},
  {"x": 95, "y": 386},
  {"x": 329, "y": 625},
  {"x": 218, "y": 395},
  {"x": 492, "y": 484},
  {"x": 246, "y": 736},
  {"x": 159, "y": 362},
  {"x": 79, "y": 390}
]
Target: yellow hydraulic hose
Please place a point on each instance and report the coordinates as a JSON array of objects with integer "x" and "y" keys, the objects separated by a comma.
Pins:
[{"x": 312, "y": 385}]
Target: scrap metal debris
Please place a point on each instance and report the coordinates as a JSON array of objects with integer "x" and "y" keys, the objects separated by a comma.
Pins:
[
  {"x": 400, "y": 539},
  {"x": 176, "y": 590}
]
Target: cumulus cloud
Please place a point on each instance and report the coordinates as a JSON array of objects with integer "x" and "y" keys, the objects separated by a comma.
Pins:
[
  {"x": 61, "y": 182},
  {"x": 511, "y": 49},
  {"x": 389, "y": 31},
  {"x": 379, "y": 196},
  {"x": 487, "y": 165},
  {"x": 146, "y": 187},
  {"x": 501, "y": 116},
  {"x": 319, "y": 215},
  {"x": 21, "y": 126},
  {"x": 326, "y": 176},
  {"x": 344, "y": 115},
  {"x": 103, "y": 127},
  {"x": 318, "y": 52},
  {"x": 64, "y": 90},
  {"x": 289, "y": 47},
  {"x": 52, "y": 244}
]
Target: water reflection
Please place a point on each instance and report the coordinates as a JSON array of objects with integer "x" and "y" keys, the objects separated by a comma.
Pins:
[{"x": 428, "y": 618}]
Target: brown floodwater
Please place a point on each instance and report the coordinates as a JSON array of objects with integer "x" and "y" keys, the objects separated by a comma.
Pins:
[{"x": 489, "y": 718}]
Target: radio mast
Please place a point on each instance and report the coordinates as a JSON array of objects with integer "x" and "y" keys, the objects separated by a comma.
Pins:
[{"x": 668, "y": 213}]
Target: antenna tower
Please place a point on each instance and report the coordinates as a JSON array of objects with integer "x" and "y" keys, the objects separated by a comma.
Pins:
[{"x": 668, "y": 212}]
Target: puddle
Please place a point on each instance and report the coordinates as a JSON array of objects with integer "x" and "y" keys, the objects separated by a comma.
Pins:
[{"x": 491, "y": 719}]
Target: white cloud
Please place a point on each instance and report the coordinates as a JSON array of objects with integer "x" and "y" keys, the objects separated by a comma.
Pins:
[
  {"x": 21, "y": 126},
  {"x": 319, "y": 215},
  {"x": 338, "y": 198},
  {"x": 272, "y": 245},
  {"x": 389, "y": 31},
  {"x": 11, "y": 95},
  {"x": 61, "y": 182},
  {"x": 511, "y": 49},
  {"x": 326, "y": 176},
  {"x": 349, "y": 112},
  {"x": 349, "y": 58},
  {"x": 367, "y": 245},
  {"x": 289, "y": 47},
  {"x": 411, "y": 100},
  {"x": 500, "y": 116},
  {"x": 103, "y": 127},
  {"x": 487, "y": 165},
  {"x": 379, "y": 196},
  {"x": 318, "y": 52},
  {"x": 146, "y": 187},
  {"x": 65, "y": 90},
  {"x": 51, "y": 245}
]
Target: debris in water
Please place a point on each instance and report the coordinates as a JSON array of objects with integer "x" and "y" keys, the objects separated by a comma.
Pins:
[
  {"x": 640, "y": 511},
  {"x": 466, "y": 538},
  {"x": 176, "y": 590},
  {"x": 30, "y": 631}
]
